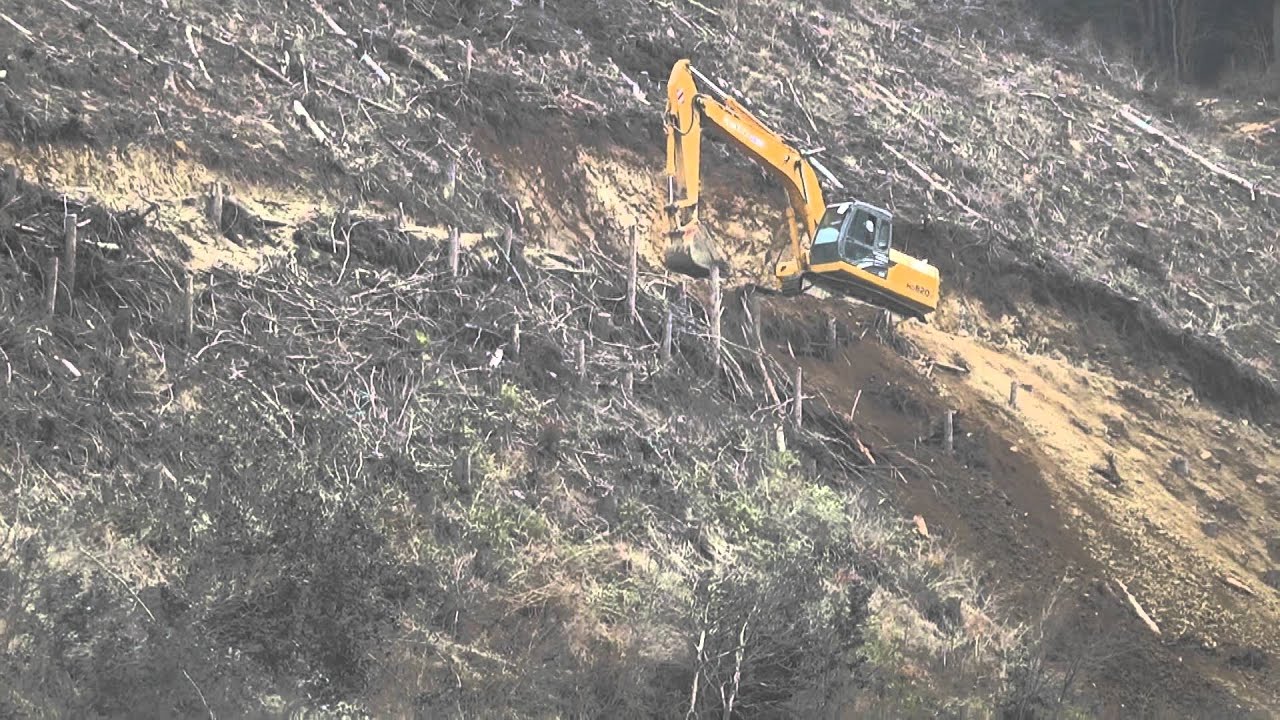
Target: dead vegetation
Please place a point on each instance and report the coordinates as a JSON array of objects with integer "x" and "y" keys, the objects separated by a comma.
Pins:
[
  {"x": 370, "y": 480},
  {"x": 352, "y": 487}
]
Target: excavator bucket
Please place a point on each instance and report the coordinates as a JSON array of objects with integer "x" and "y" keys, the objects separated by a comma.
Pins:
[{"x": 691, "y": 251}]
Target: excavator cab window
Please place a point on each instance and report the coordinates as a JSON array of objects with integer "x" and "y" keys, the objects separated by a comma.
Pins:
[
  {"x": 826, "y": 241},
  {"x": 866, "y": 242}
]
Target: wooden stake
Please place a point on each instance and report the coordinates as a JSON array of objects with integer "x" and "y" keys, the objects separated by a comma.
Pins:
[
  {"x": 798, "y": 408},
  {"x": 188, "y": 308},
  {"x": 582, "y": 359},
  {"x": 71, "y": 232},
  {"x": 1013, "y": 393},
  {"x": 515, "y": 340},
  {"x": 466, "y": 77},
  {"x": 51, "y": 287},
  {"x": 948, "y": 431},
  {"x": 633, "y": 277},
  {"x": 831, "y": 336},
  {"x": 451, "y": 184},
  {"x": 508, "y": 245},
  {"x": 215, "y": 206},
  {"x": 715, "y": 312},
  {"x": 455, "y": 251},
  {"x": 667, "y": 331},
  {"x": 628, "y": 383}
]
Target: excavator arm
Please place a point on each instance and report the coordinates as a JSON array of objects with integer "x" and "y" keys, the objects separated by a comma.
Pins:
[
  {"x": 846, "y": 248},
  {"x": 688, "y": 250}
]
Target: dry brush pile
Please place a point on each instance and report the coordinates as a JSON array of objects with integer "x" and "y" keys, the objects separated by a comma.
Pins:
[{"x": 351, "y": 485}]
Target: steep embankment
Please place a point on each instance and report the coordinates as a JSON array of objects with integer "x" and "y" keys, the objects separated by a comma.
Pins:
[{"x": 1123, "y": 278}]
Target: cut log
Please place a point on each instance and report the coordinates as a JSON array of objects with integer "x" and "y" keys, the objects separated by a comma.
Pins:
[
  {"x": 1137, "y": 608},
  {"x": 317, "y": 131},
  {"x": 1238, "y": 585}
]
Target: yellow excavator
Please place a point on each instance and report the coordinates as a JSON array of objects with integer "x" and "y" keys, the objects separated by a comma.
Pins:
[{"x": 845, "y": 248}]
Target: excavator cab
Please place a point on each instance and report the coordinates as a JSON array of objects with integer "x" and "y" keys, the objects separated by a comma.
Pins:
[
  {"x": 851, "y": 253},
  {"x": 856, "y": 233}
]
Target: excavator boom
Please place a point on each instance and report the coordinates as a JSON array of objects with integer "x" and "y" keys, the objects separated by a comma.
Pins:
[{"x": 854, "y": 260}]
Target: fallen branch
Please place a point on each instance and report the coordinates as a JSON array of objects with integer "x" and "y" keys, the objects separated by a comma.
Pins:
[
  {"x": 191, "y": 45},
  {"x": 1208, "y": 164},
  {"x": 354, "y": 95},
  {"x": 364, "y": 57},
  {"x": 898, "y": 106},
  {"x": 934, "y": 182},
  {"x": 115, "y": 38},
  {"x": 253, "y": 60}
]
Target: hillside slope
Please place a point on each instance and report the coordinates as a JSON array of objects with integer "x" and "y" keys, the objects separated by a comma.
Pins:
[{"x": 343, "y": 419}]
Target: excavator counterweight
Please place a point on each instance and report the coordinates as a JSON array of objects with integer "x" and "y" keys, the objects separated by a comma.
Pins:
[{"x": 845, "y": 248}]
